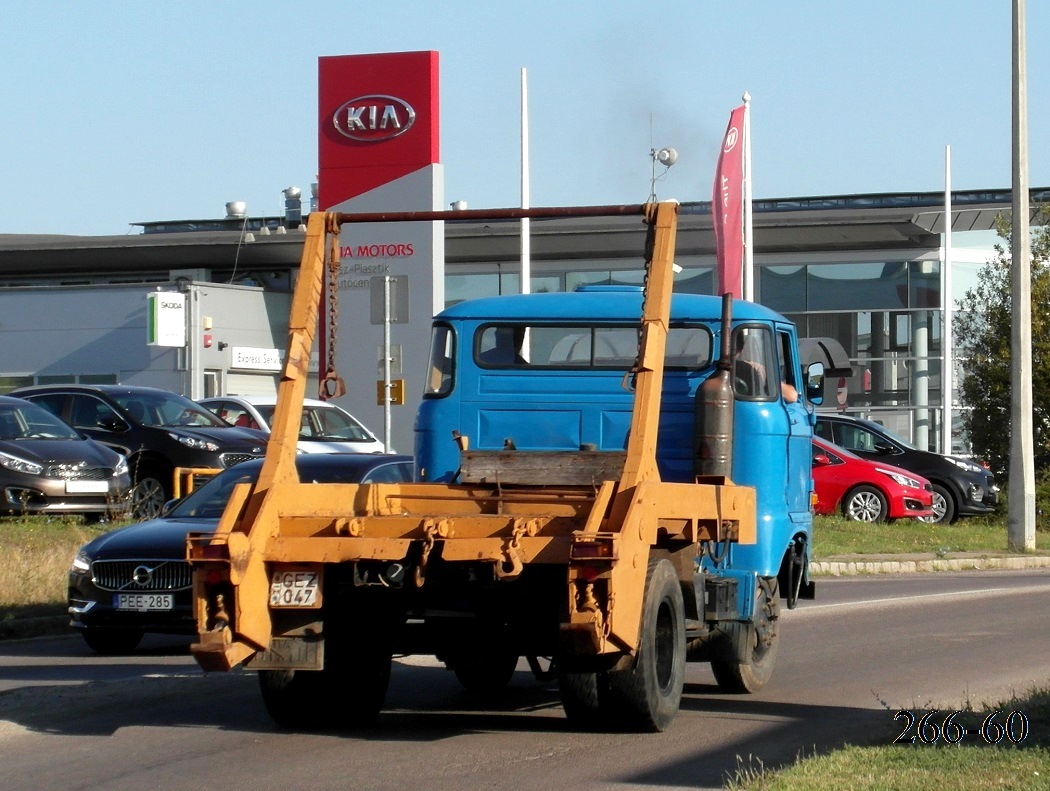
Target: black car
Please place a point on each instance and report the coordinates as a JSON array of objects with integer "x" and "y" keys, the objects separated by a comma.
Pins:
[
  {"x": 960, "y": 487},
  {"x": 136, "y": 579},
  {"x": 156, "y": 430}
]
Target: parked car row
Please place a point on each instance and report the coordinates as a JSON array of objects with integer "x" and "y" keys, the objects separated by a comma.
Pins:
[
  {"x": 112, "y": 450},
  {"x": 960, "y": 486}
]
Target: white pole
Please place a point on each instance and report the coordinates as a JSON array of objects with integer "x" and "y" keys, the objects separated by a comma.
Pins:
[
  {"x": 386, "y": 364},
  {"x": 1020, "y": 519},
  {"x": 948, "y": 366},
  {"x": 526, "y": 252},
  {"x": 749, "y": 254}
]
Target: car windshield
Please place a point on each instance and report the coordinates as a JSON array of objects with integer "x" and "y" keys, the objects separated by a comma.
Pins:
[
  {"x": 166, "y": 409},
  {"x": 325, "y": 423},
  {"x": 209, "y": 501},
  {"x": 28, "y": 421},
  {"x": 881, "y": 429}
]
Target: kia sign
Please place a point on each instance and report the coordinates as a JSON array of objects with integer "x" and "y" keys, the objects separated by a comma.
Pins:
[
  {"x": 166, "y": 318},
  {"x": 372, "y": 119}
]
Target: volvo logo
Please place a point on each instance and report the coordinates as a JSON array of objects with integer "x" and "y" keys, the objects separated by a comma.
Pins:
[
  {"x": 142, "y": 575},
  {"x": 374, "y": 118}
]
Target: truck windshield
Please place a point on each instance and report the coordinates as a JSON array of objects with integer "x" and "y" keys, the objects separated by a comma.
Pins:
[
  {"x": 442, "y": 351},
  {"x": 573, "y": 346}
]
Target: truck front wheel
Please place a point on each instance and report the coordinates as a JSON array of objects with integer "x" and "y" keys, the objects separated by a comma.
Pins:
[
  {"x": 647, "y": 696},
  {"x": 753, "y": 646}
]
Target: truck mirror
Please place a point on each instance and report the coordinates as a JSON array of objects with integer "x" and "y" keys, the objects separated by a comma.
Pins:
[{"x": 815, "y": 383}]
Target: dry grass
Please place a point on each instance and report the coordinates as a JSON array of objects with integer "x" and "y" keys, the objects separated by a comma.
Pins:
[{"x": 35, "y": 554}]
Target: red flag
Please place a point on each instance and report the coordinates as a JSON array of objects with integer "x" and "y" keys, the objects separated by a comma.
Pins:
[{"x": 727, "y": 207}]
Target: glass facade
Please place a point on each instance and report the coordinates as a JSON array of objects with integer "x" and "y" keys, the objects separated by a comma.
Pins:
[{"x": 887, "y": 315}]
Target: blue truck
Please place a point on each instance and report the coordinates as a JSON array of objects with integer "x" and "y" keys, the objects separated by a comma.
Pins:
[{"x": 610, "y": 483}]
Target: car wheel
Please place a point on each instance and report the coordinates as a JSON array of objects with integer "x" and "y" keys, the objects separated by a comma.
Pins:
[
  {"x": 943, "y": 508},
  {"x": 112, "y": 642},
  {"x": 865, "y": 504},
  {"x": 147, "y": 497}
]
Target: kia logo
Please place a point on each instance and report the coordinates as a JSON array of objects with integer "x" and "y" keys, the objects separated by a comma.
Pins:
[
  {"x": 731, "y": 138},
  {"x": 374, "y": 118}
]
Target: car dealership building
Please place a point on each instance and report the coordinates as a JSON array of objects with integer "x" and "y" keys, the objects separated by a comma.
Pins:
[{"x": 865, "y": 270}]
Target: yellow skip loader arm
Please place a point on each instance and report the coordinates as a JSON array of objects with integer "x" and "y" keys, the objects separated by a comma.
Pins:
[{"x": 603, "y": 537}]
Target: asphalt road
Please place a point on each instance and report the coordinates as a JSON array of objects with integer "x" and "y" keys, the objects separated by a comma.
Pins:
[{"x": 867, "y": 647}]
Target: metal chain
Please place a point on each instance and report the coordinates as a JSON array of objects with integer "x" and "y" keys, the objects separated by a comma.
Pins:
[{"x": 332, "y": 385}]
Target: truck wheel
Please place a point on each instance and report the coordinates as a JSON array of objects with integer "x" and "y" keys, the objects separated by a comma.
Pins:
[
  {"x": 348, "y": 693},
  {"x": 112, "y": 642},
  {"x": 581, "y": 698},
  {"x": 755, "y": 644},
  {"x": 865, "y": 504},
  {"x": 646, "y": 697},
  {"x": 485, "y": 672}
]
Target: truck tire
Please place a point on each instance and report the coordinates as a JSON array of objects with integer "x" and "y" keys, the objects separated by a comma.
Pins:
[
  {"x": 646, "y": 696},
  {"x": 581, "y": 697},
  {"x": 755, "y": 645},
  {"x": 486, "y": 671},
  {"x": 348, "y": 693}
]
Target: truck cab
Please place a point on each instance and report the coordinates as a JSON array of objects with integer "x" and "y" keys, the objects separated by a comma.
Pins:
[{"x": 552, "y": 372}]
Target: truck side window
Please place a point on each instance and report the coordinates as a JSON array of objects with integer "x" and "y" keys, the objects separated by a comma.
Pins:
[
  {"x": 755, "y": 372},
  {"x": 442, "y": 354}
]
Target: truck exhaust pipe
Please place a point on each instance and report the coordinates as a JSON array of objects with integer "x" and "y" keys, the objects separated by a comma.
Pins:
[{"x": 713, "y": 409}]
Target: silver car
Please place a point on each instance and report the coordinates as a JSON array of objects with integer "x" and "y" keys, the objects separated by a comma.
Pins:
[{"x": 47, "y": 467}]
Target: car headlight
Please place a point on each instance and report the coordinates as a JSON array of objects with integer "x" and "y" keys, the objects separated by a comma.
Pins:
[
  {"x": 121, "y": 468},
  {"x": 81, "y": 563},
  {"x": 964, "y": 464},
  {"x": 194, "y": 442},
  {"x": 902, "y": 480},
  {"x": 20, "y": 465}
]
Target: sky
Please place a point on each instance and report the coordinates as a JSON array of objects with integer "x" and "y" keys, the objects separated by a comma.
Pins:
[{"x": 119, "y": 112}]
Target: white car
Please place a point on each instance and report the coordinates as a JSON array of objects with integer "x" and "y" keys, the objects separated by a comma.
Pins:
[{"x": 326, "y": 428}]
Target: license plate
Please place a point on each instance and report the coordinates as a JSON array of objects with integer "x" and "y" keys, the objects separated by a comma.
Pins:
[
  {"x": 295, "y": 588},
  {"x": 87, "y": 487},
  {"x": 142, "y": 602}
]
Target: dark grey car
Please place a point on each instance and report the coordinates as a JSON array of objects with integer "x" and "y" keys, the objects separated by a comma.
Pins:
[{"x": 46, "y": 467}]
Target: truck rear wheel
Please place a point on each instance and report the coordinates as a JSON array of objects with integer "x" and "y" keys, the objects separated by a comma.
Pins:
[
  {"x": 755, "y": 645},
  {"x": 348, "y": 693},
  {"x": 646, "y": 697},
  {"x": 485, "y": 671},
  {"x": 581, "y": 698}
]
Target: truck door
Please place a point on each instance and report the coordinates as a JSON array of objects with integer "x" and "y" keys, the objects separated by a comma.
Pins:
[{"x": 799, "y": 479}]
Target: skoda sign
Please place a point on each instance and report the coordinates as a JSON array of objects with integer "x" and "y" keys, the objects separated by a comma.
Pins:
[{"x": 374, "y": 118}]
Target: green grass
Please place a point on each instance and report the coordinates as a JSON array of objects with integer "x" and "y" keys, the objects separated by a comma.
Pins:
[
  {"x": 972, "y": 765},
  {"x": 833, "y": 536}
]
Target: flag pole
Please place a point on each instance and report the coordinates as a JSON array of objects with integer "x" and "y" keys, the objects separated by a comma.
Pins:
[
  {"x": 749, "y": 256},
  {"x": 526, "y": 241}
]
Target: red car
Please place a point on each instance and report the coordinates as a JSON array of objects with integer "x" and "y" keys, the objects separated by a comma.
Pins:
[{"x": 866, "y": 491}]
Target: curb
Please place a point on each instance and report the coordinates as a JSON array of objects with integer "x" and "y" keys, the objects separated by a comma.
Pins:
[{"x": 840, "y": 568}]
